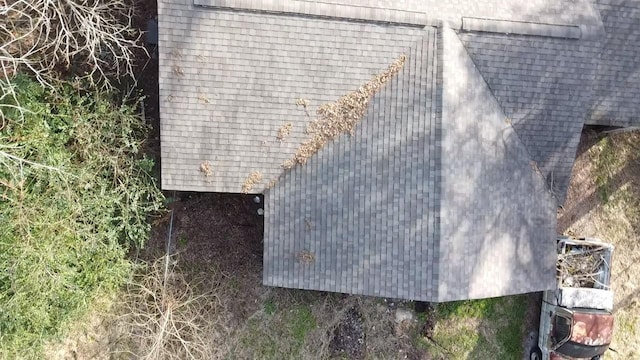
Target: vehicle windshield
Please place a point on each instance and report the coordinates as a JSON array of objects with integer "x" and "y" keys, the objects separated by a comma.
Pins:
[
  {"x": 577, "y": 350},
  {"x": 561, "y": 329}
]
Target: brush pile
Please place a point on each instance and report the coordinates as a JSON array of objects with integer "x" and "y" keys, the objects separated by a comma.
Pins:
[{"x": 581, "y": 266}]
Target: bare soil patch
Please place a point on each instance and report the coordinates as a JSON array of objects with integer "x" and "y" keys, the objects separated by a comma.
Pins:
[
  {"x": 348, "y": 337},
  {"x": 217, "y": 233}
]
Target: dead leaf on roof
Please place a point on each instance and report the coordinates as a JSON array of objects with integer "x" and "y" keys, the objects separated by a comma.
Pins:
[
  {"x": 251, "y": 181},
  {"x": 284, "y": 131},
  {"x": 308, "y": 224},
  {"x": 302, "y": 102},
  {"x": 271, "y": 184},
  {"x": 534, "y": 166},
  {"x": 305, "y": 257},
  {"x": 203, "y": 99},
  {"x": 305, "y": 104},
  {"x": 177, "y": 70},
  {"x": 341, "y": 116},
  {"x": 205, "y": 168}
]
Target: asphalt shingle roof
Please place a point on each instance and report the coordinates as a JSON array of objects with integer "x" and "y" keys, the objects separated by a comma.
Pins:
[
  {"x": 447, "y": 189},
  {"x": 617, "y": 84},
  {"x": 543, "y": 85},
  {"x": 497, "y": 216},
  {"x": 365, "y": 206},
  {"x": 229, "y": 81}
]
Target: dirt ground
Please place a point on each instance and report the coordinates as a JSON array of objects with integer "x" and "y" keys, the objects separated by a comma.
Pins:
[
  {"x": 604, "y": 202},
  {"x": 582, "y": 195},
  {"x": 219, "y": 233}
]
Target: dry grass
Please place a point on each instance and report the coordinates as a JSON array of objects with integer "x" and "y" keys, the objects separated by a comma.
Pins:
[
  {"x": 92, "y": 337},
  {"x": 477, "y": 329},
  {"x": 297, "y": 324},
  {"x": 606, "y": 180},
  {"x": 341, "y": 116},
  {"x": 284, "y": 131},
  {"x": 251, "y": 181},
  {"x": 166, "y": 317}
]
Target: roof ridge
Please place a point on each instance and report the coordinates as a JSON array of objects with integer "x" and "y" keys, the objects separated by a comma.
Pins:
[
  {"x": 324, "y": 10},
  {"x": 525, "y": 28}
]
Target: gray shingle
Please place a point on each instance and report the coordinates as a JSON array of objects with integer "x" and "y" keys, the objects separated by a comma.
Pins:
[
  {"x": 497, "y": 213},
  {"x": 543, "y": 86},
  {"x": 380, "y": 147},
  {"x": 426, "y": 12},
  {"x": 251, "y": 83},
  {"x": 617, "y": 83},
  {"x": 386, "y": 212}
]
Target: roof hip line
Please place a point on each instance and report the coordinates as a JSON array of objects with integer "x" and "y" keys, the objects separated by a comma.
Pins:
[{"x": 510, "y": 125}]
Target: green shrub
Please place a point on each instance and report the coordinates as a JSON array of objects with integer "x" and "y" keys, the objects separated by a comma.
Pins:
[{"x": 75, "y": 194}]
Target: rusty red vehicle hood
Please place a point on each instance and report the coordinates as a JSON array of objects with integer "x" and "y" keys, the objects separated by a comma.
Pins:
[{"x": 592, "y": 329}]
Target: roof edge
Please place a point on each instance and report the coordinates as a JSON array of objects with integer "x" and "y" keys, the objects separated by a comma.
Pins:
[{"x": 439, "y": 100}]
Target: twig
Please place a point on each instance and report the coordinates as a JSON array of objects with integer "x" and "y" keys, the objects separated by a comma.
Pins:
[{"x": 25, "y": 161}]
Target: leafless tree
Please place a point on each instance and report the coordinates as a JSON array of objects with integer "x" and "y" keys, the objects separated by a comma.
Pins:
[{"x": 45, "y": 36}]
